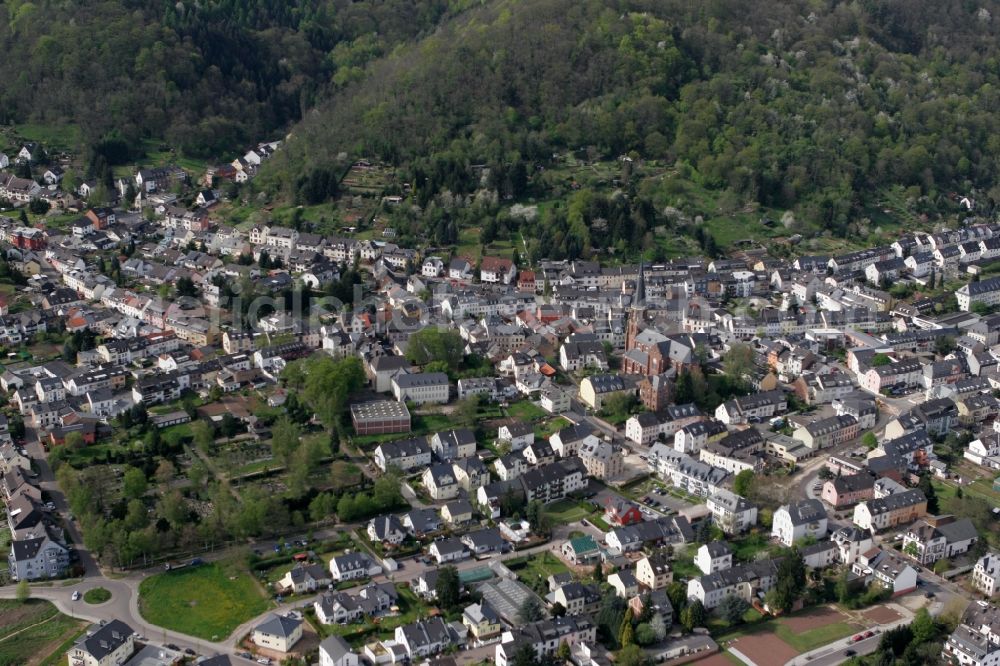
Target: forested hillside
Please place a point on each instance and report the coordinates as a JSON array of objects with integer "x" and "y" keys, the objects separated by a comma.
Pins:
[
  {"x": 805, "y": 105},
  {"x": 207, "y": 77}
]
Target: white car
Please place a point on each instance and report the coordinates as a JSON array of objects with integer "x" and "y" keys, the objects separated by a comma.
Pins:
[
  {"x": 264, "y": 660},
  {"x": 76, "y": 595}
]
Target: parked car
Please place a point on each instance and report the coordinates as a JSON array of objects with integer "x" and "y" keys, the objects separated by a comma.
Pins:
[
  {"x": 849, "y": 653},
  {"x": 857, "y": 637},
  {"x": 869, "y": 634},
  {"x": 76, "y": 595}
]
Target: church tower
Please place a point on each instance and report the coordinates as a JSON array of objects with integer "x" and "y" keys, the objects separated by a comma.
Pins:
[{"x": 638, "y": 310}]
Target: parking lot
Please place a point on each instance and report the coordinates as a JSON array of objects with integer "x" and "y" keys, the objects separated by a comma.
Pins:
[{"x": 653, "y": 499}]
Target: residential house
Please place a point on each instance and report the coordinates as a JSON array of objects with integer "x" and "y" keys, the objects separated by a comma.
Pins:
[
  {"x": 483, "y": 622},
  {"x": 440, "y": 482},
  {"x": 843, "y": 491},
  {"x": 620, "y": 512},
  {"x": 457, "y": 512},
  {"x": 516, "y": 434},
  {"x": 387, "y": 530},
  {"x": 335, "y": 651},
  {"x": 714, "y": 556},
  {"x": 353, "y": 566},
  {"x": 882, "y": 513},
  {"x": 581, "y": 550},
  {"x": 793, "y": 522},
  {"x": 595, "y": 390},
  {"x": 731, "y": 513},
  {"x": 424, "y": 638},
  {"x": 827, "y": 432},
  {"x": 421, "y": 388},
  {"x": 404, "y": 454},
  {"x": 624, "y": 584},
  {"x": 37, "y": 558},
  {"x": 744, "y": 581},
  {"x": 654, "y": 572},
  {"x": 932, "y": 538},
  {"x": 986, "y": 574},
  {"x": 107, "y": 644},
  {"x": 304, "y": 578},
  {"x": 484, "y": 541},
  {"x": 450, "y": 549},
  {"x": 887, "y": 569},
  {"x": 278, "y": 632}
]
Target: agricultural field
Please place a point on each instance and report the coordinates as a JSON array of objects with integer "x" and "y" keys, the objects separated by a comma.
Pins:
[{"x": 33, "y": 632}]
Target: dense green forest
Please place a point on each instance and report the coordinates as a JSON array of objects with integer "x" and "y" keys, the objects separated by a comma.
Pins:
[
  {"x": 816, "y": 107},
  {"x": 808, "y": 105},
  {"x": 206, "y": 77}
]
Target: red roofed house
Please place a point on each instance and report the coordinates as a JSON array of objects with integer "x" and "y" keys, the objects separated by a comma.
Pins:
[
  {"x": 497, "y": 270},
  {"x": 621, "y": 512},
  {"x": 26, "y": 238},
  {"x": 526, "y": 281}
]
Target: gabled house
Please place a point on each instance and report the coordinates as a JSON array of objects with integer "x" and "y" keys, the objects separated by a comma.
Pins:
[
  {"x": 440, "y": 482},
  {"x": 352, "y": 566},
  {"x": 796, "y": 521},
  {"x": 938, "y": 537},
  {"x": 386, "y": 529}
]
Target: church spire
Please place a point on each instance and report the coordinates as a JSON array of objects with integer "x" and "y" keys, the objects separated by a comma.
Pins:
[{"x": 639, "y": 297}]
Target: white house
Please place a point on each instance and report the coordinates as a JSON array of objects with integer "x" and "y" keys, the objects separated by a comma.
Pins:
[
  {"x": 793, "y": 522},
  {"x": 335, "y": 651},
  {"x": 351, "y": 566},
  {"x": 714, "y": 556},
  {"x": 278, "y": 632},
  {"x": 986, "y": 574},
  {"x": 110, "y": 644},
  {"x": 421, "y": 388}
]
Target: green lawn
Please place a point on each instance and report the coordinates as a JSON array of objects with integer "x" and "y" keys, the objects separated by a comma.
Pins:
[
  {"x": 567, "y": 511},
  {"x": 545, "y": 429},
  {"x": 204, "y": 601},
  {"x": 44, "y": 630},
  {"x": 803, "y": 641},
  {"x": 525, "y": 410},
  {"x": 748, "y": 548},
  {"x": 97, "y": 595},
  {"x": 539, "y": 566},
  {"x": 61, "y": 136},
  {"x": 814, "y": 638},
  {"x": 685, "y": 568}
]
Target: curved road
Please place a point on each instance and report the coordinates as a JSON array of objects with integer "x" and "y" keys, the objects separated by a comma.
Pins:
[{"x": 124, "y": 602}]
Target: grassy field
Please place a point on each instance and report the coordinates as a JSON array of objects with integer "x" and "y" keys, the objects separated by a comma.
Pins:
[
  {"x": 96, "y": 595},
  {"x": 803, "y": 641},
  {"x": 42, "y": 631},
  {"x": 811, "y": 639},
  {"x": 544, "y": 429},
  {"x": 63, "y": 136},
  {"x": 525, "y": 410},
  {"x": 567, "y": 511},
  {"x": 205, "y": 601},
  {"x": 539, "y": 566}
]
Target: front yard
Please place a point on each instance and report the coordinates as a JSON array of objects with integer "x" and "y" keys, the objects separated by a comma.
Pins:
[
  {"x": 568, "y": 511},
  {"x": 208, "y": 601}
]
